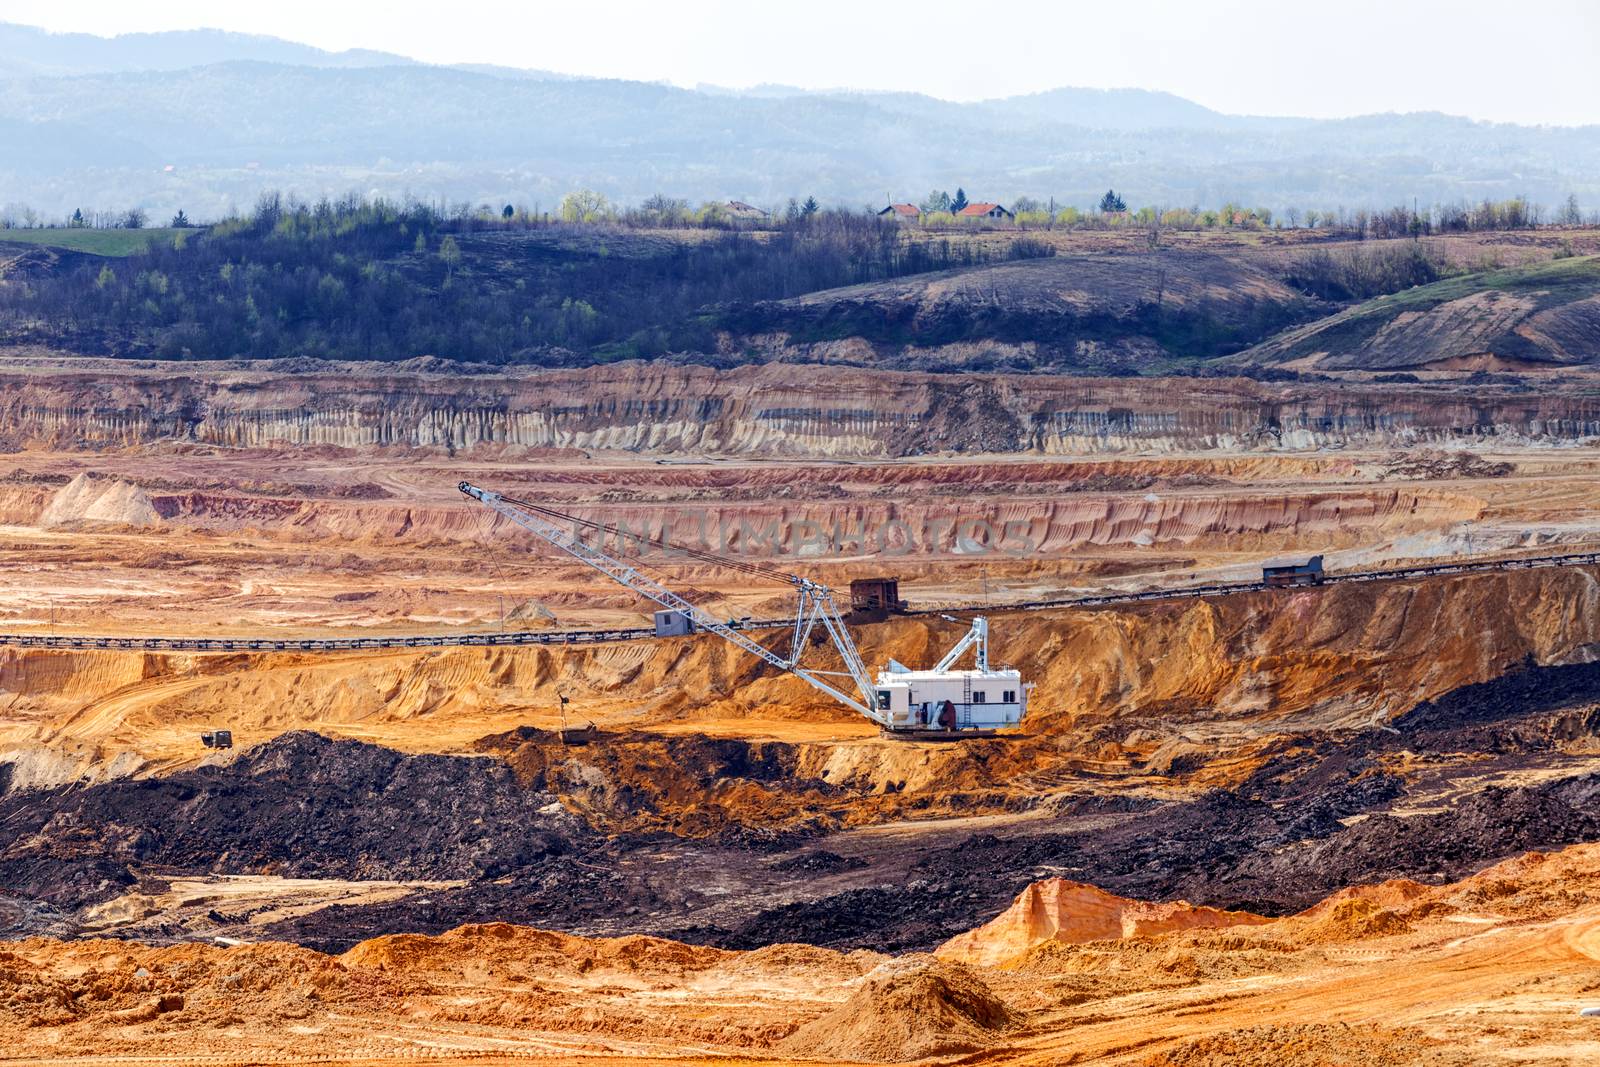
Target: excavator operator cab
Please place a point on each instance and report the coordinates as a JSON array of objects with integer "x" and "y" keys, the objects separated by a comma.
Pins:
[{"x": 894, "y": 702}]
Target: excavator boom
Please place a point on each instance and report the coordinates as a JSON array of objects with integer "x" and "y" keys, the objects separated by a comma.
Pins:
[{"x": 815, "y": 603}]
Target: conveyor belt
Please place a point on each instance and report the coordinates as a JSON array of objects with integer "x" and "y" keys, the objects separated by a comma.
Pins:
[{"x": 570, "y": 637}]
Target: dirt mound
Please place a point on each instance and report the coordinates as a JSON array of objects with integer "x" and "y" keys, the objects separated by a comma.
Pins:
[
  {"x": 1313, "y": 1045},
  {"x": 1531, "y": 886},
  {"x": 687, "y": 785},
  {"x": 1071, "y": 912},
  {"x": 907, "y": 1009},
  {"x": 92, "y": 498},
  {"x": 1352, "y": 919},
  {"x": 25, "y": 262},
  {"x": 1094, "y": 310},
  {"x": 1524, "y": 317},
  {"x": 1396, "y": 893},
  {"x": 473, "y": 953},
  {"x": 1431, "y": 464},
  {"x": 91, "y": 989}
]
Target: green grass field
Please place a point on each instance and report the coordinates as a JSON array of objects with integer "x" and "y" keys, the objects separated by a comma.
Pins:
[
  {"x": 98, "y": 242},
  {"x": 1558, "y": 279}
]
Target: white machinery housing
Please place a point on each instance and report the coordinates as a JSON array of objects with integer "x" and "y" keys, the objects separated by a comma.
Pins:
[
  {"x": 947, "y": 699},
  {"x": 938, "y": 702}
]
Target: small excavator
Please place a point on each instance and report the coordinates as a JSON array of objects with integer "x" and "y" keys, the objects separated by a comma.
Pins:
[{"x": 941, "y": 703}]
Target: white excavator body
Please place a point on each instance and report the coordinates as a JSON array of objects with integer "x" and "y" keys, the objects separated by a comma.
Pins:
[{"x": 951, "y": 700}]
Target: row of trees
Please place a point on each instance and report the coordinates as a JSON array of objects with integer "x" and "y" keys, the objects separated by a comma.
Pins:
[
  {"x": 586, "y": 205},
  {"x": 941, "y": 210},
  {"x": 22, "y": 217},
  {"x": 1112, "y": 212}
]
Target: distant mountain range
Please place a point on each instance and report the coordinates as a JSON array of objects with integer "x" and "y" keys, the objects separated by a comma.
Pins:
[
  {"x": 205, "y": 120},
  {"x": 29, "y": 52}
]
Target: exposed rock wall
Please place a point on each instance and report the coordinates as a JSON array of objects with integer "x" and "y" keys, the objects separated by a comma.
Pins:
[
  {"x": 1017, "y": 529},
  {"x": 758, "y": 410}
]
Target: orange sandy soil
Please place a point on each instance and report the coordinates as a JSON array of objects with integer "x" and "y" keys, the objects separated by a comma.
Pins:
[{"x": 1492, "y": 969}]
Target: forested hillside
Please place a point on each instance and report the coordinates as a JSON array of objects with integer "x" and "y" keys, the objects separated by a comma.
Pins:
[
  {"x": 359, "y": 280},
  {"x": 377, "y": 280}
]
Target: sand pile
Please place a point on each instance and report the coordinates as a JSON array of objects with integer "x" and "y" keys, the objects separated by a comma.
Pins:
[
  {"x": 802, "y": 963},
  {"x": 1396, "y": 893},
  {"x": 1355, "y": 919},
  {"x": 907, "y": 1009},
  {"x": 1071, "y": 912},
  {"x": 1312, "y": 1045},
  {"x": 1361, "y": 912},
  {"x": 85, "y": 987},
  {"x": 479, "y": 953},
  {"x": 92, "y": 498},
  {"x": 1533, "y": 885},
  {"x": 30, "y": 995}
]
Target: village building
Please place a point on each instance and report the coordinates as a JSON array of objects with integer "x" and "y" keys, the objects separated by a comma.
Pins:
[
  {"x": 738, "y": 209},
  {"x": 997, "y": 212},
  {"x": 901, "y": 212}
]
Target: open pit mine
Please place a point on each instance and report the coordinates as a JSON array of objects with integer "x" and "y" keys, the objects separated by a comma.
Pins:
[{"x": 383, "y": 713}]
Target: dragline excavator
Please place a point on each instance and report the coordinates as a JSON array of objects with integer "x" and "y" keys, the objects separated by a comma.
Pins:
[{"x": 941, "y": 702}]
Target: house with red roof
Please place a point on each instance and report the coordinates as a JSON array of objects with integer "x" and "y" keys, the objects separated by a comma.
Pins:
[
  {"x": 901, "y": 212},
  {"x": 997, "y": 212}
]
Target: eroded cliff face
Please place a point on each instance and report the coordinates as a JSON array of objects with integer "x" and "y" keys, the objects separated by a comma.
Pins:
[
  {"x": 777, "y": 410},
  {"x": 1020, "y": 531}
]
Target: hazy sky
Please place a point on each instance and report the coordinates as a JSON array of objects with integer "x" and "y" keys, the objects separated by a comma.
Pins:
[{"x": 1536, "y": 61}]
